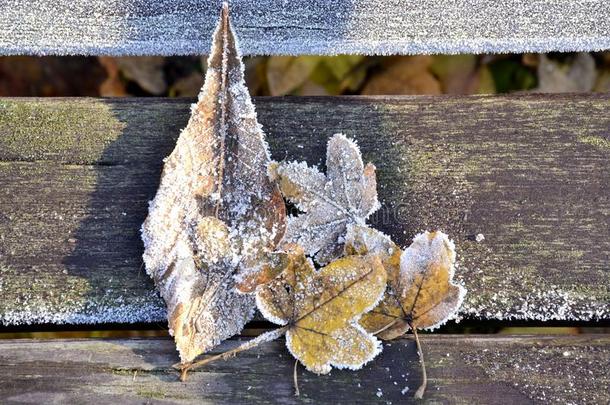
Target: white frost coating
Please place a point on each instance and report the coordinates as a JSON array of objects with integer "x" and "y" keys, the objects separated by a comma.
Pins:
[
  {"x": 142, "y": 309},
  {"x": 177, "y": 27},
  {"x": 372, "y": 240},
  {"x": 549, "y": 303},
  {"x": 346, "y": 195},
  {"x": 416, "y": 258}
]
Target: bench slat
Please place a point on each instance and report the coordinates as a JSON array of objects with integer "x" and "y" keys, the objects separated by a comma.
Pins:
[
  {"x": 461, "y": 369},
  {"x": 164, "y": 27},
  {"x": 530, "y": 173}
]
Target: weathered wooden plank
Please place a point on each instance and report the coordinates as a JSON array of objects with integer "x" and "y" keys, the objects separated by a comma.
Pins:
[
  {"x": 168, "y": 27},
  {"x": 461, "y": 369},
  {"x": 530, "y": 173}
]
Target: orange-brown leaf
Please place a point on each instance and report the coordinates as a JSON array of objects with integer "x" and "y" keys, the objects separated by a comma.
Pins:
[{"x": 423, "y": 295}]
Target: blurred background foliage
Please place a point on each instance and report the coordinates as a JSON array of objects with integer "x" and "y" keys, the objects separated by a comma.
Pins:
[{"x": 309, "y": 75}]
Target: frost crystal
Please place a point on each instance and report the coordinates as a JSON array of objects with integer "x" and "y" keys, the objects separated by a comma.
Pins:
[
  {"x": 215, "y": 210},
  {"x": 346, "y": 195}
]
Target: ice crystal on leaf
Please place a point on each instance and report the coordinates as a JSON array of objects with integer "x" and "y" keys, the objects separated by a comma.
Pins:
[
  {"x": 346, "y": 195},
  {"x": 216, "y": 213},
  {"x": 321, "y": 308}
]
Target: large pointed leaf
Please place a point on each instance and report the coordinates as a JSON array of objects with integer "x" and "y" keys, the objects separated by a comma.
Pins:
[{"x": 215, "y": 212}]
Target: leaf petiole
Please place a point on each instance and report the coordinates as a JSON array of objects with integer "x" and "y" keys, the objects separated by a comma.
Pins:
[
  {"x": 265, "y": 337},
  {"x": 388, "y": 326},
  {"x": 419, "y": 394},
  {"x": 296, "y": 378}
]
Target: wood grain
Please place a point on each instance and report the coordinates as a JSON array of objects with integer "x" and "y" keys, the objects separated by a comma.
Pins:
[
  {"x": 461, "y": 369},
  {"x": 163, "y": 27},
  {"x": 530, "y": 173}
]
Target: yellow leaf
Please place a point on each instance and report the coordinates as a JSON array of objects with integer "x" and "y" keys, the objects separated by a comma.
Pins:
[
  {"x": 423, "y": 294},
  {"x": 321, "y": 309},
  {"x": 363, "y": 240}
]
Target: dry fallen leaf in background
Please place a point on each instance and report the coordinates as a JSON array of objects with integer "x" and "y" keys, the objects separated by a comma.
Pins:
[
  {"x": 112, "y": 86},
  {"x": 421, "y": 295},
  {"x": 463, "y": 74},
  {"x": 404, "y": 75},
  {"x": 215, "y": 211},
  {"x": 146, "y": 71},
  {"x": 314, "y": 75},
  {"x": 187, "y": 86},
  {"x": 346, "y": 195},
  {"x": 320, "y": 311},
  {"x": 286, "y": 73},
  {"x": 579, "y": 76}
]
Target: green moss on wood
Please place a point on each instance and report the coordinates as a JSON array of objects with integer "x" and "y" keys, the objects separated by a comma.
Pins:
[
  {"x": 596, "y": 141},
  {"x": 34, "y": 129}
]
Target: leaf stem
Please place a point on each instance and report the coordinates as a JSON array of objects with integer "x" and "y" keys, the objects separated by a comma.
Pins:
[
  {"x": 296, "y": 379},
  {"x": 388, "y": 326},
  {"x": 265, "y": 337},
  {"x": 419, "y": 394}
]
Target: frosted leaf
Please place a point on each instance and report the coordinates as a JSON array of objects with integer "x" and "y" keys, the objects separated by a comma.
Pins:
[
  {"x": 215, "y": 211},
  {"x": 346, "y": 195},
  {"x": 321, "y": 309},
  {"x": 423, "y": 294}
]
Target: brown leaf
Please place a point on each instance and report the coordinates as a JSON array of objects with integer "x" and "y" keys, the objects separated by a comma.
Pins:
[
  {"x": 462, "y": 74},
  {"x": 404, "y": 75},
  {"x": 215, "y": 210},
  {"x": 422, "y": 295},
  {"x": 320, "y": 309},
  {"x": 147, "y": 71},
  {"x": 268, "y": 267},
  {"x": 347, "y": 194},
  {"x": 112, "y": 86},
  {"x": 187, "y": 86}
]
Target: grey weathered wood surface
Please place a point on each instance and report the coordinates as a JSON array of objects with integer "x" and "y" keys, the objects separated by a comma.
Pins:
[
  {"x": 461, "y": 369},
  {"x": 127, "y": 27},
  {"x": 528, "y": 172}
]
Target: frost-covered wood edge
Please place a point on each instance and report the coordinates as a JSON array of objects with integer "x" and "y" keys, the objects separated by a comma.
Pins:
[
  {"x": 527, "y": 173},
  {"x": 461, "y": 369},
  {"x": 304, "y": 26}
]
